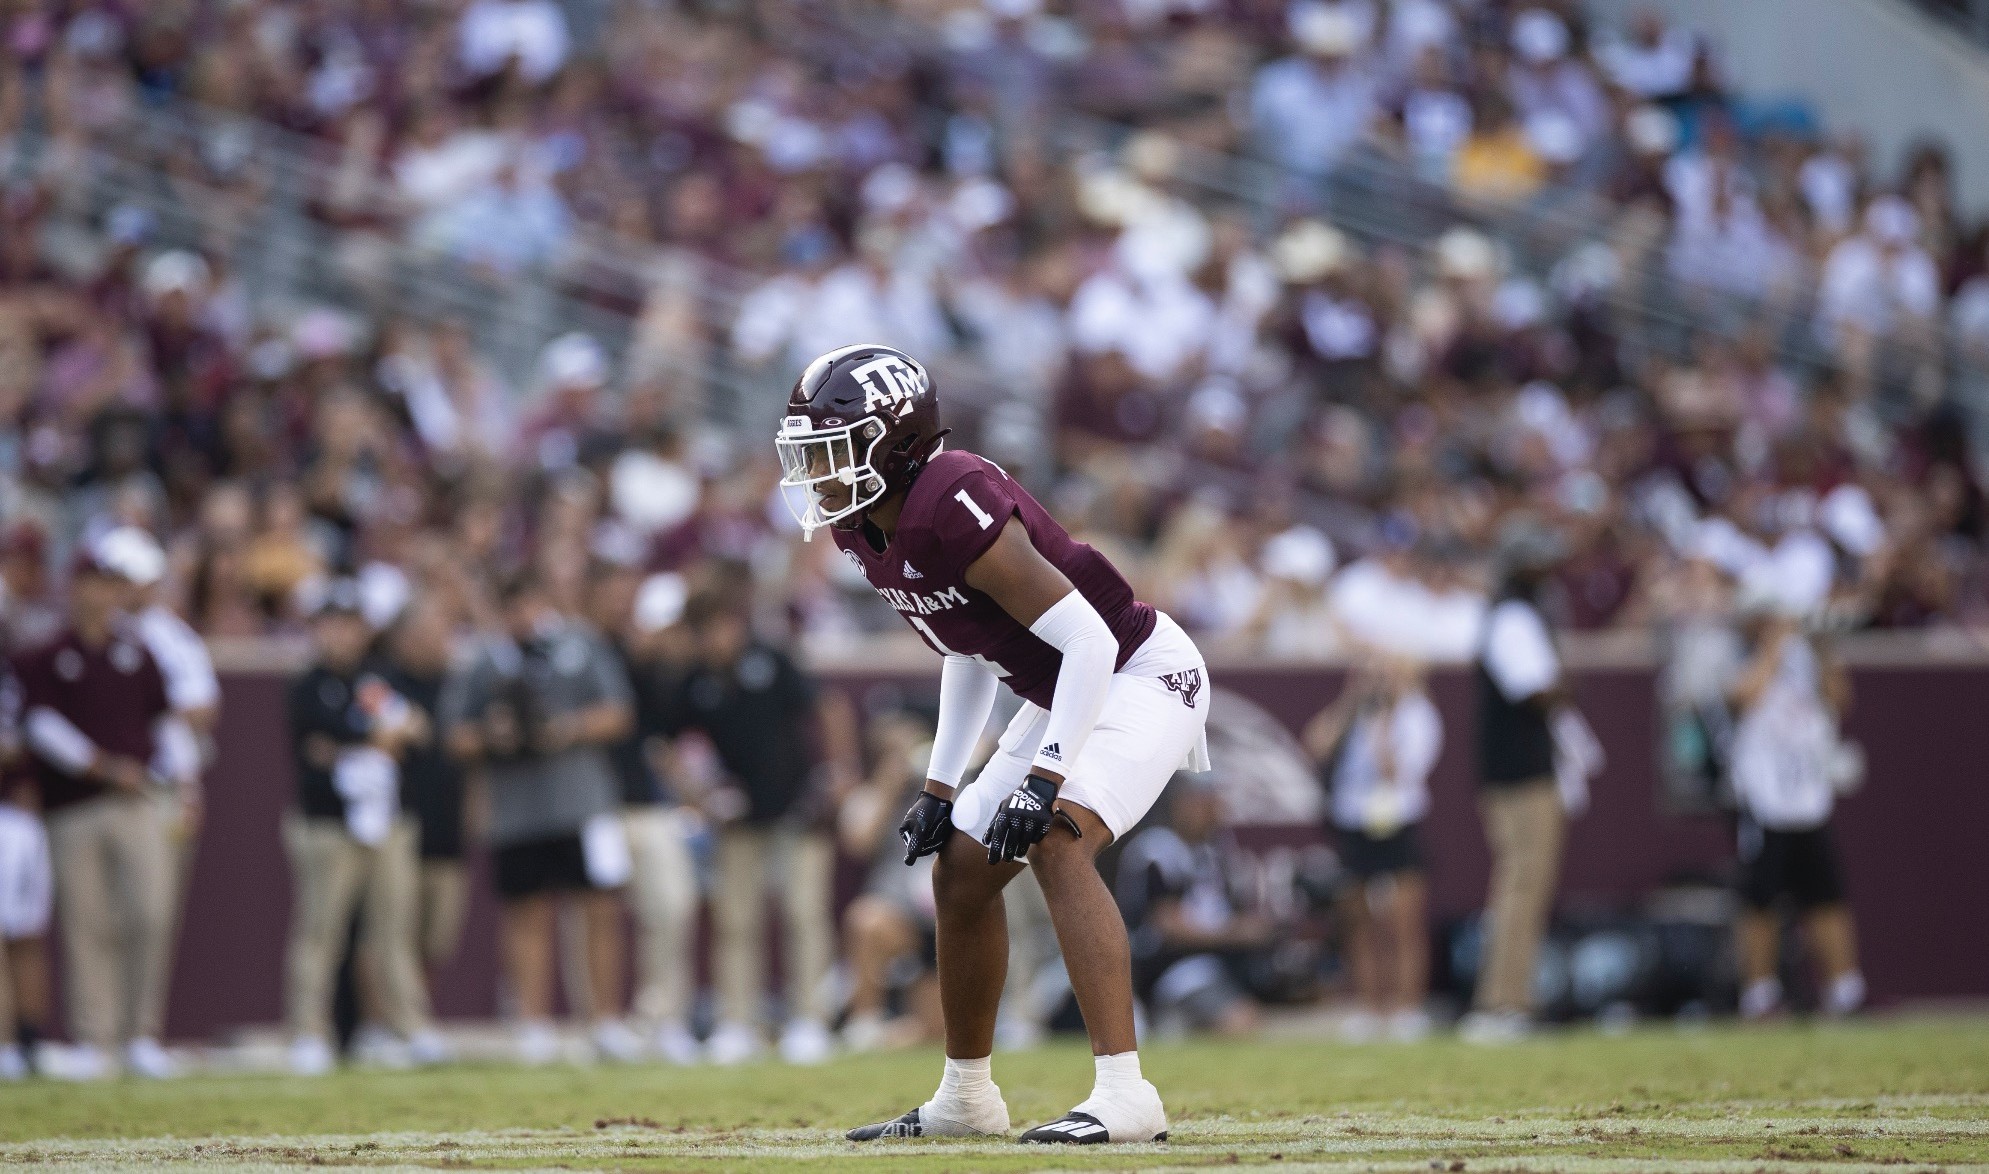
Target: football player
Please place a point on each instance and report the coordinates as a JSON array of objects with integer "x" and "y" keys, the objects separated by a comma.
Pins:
[{"x": 1116, "y": 701}]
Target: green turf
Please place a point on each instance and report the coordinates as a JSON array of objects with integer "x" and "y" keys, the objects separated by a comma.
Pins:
[{"x": 1901, "y": 1094}]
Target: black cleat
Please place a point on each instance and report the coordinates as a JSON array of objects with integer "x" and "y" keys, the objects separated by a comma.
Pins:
[
  {"x": 905, "y": 1126},
  {"x": 1074, "y": 1128}
]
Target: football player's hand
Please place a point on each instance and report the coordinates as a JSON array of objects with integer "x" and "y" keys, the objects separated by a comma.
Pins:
[
  {"x": 1022, "y": 820},
  {"x": 926, "y": 825}
]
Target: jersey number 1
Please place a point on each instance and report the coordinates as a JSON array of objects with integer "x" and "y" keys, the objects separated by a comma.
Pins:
[{"x": 982, "y": 516}]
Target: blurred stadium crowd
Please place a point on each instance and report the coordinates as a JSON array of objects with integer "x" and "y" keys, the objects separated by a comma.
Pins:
[{"x": 1288, "y": 307}]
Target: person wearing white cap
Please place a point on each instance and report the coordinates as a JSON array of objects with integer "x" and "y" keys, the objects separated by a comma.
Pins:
[
  {"x": 1294, "y": 616},
  {"x": 185, "y": 737},
  {"x": 1307, "y": 111},
  {"x": 92, "y": 702},
  {"x": 640, "y": 616},
  {"x": 1546, "y": 77},
  {"x": 1788, "y": 765},
  {"x": 1877, "y": 283}
]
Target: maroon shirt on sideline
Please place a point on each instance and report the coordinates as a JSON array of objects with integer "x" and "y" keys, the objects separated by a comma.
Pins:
[
  {"x": 113, "y": 694},
  {"x": 953, "y": 512}
]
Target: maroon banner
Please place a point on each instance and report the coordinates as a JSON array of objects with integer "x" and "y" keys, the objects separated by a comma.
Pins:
[{"x": 1913, "y": 838}]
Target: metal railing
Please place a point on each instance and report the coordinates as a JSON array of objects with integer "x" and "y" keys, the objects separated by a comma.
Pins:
[
  {"x": 1379, "y": 199},
  {"x": 264, "y": 215}
]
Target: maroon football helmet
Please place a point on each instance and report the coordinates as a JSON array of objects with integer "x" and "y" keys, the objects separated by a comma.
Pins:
[{"x": 861, "y": 422}]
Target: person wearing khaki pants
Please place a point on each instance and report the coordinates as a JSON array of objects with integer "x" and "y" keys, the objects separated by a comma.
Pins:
[
  {"x": 334, "y": 874},
  {"x": 663, "y": 891},
  {"x": 772, "y": 786},
  {"x": 114, "y": 883},
  {"x": 753, "y": 863},
  {"x": 91, "y": 702},
  {"x": 348, "y": 838},
  {"x": 1520, "y": 684},
  {"x": 1525, "y": 826}
]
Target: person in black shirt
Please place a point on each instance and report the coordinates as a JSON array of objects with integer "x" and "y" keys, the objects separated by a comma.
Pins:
[
  {"x": 347, "y": 838},
  {"x": 758, "y": 711},
  {"x": 641, "y": 618},
  {"x": 1190, "y": 937},
  {"x": 418, "y": 649}
]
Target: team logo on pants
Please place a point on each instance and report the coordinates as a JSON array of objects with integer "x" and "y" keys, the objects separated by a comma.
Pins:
[{"x": 1188, "y": 683}]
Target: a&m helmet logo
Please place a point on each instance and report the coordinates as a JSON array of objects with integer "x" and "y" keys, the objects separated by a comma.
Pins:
[{"x": 890, "y": 384}]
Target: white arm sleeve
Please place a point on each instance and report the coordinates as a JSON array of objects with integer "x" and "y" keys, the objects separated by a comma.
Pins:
[
  {"x": 1073, "y": 627},
  {"x": 58, "y": 741},
  {"x": 966, "y": 697}
]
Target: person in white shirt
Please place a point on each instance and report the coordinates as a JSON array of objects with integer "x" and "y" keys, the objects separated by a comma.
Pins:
[
  {"x": 1309, "y": 110},
  {"x": 1787, "y": 765},
  {"x": 1878, "y": 285},
  {"x": 1520, "y": 685},
  {"x": 1376, "y": 745}
]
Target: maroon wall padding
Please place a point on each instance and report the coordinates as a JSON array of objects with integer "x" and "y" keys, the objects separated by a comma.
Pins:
[{"x": 1913, "y": 840}]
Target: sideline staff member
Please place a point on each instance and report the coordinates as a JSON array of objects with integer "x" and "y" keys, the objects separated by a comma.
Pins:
[{"x": 1519, "y": 685}]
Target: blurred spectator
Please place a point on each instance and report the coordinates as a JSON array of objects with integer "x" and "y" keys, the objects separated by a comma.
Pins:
[
  {"x": 643, "y": 619},
  {"x": 772, "y": 798},
  {"x": 1376, "y": 745},
  {"x": 92, "y": 702},
  {"x": 417, "y": 662},
  {"x": 349, "y": 843},
  {"x": 1308, "y": 110},
  {"x": 1788, "y": 764},
  {"x": 888, "y": 930},
  {"x": 1519, "y": 684},
  {"x": 33, "y": 611},
  {"x": 1192, "y": 939},
  {"x": 27, "y": 897},
  {"x": 537, "y": 710}
]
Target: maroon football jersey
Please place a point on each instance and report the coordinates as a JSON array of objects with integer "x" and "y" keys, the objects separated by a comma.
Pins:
[
  {"x": 953, "y": 512},
  {"x": 113, "y": 694}
]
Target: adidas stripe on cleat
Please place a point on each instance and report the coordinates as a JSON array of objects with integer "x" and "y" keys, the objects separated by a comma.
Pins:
[
  {"x": 917, "y": 1123},
  {"x": 1074, "y": 1128},
  {"x": 905, "y": 1126}
]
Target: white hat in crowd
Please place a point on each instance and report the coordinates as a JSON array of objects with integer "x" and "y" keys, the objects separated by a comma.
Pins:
[
  {"x": 1301, "y": 554},
  {"x": 177, "y": 271},
  {"x": 574, "y": 360},
  {"x": 1892, "y": 220},
  {"x": 132, "y": 554},
  {"x": 1539, "y": 37},
  {"x": 659, "y": 602},
  {"x": 1328, "y": 30}
]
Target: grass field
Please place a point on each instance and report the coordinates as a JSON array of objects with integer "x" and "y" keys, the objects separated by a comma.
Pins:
[{"x": 1900, "y": 1094}]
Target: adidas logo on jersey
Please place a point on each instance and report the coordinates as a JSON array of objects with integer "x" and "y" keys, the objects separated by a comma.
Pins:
[
  {"x": 910, "y": 572},
  {"x": 1053, "y": 752}
]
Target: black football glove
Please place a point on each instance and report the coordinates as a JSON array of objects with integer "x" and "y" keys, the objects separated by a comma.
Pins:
[
  {"x": 1023, "y": 819},
  {"x": 926, "y": 826}
]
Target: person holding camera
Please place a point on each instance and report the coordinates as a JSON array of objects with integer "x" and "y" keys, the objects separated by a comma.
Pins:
[
  {"x": 349, "y": 842},
  {"x": 773, "y": 795},
  {"x": 1376, "y": 745},
  {"x": 537, "y": 711},
  {"x": 1788, "y": 764}
]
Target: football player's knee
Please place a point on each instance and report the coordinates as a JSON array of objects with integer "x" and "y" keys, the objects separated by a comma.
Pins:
[{"x": 958, "y": 886}]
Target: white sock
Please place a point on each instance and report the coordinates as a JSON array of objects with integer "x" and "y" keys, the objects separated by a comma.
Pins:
[
  {"x": 968, "y": 1094},
  {"x": 968, "y": 1081},
  {"x": 1117, "y": 1072}
]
